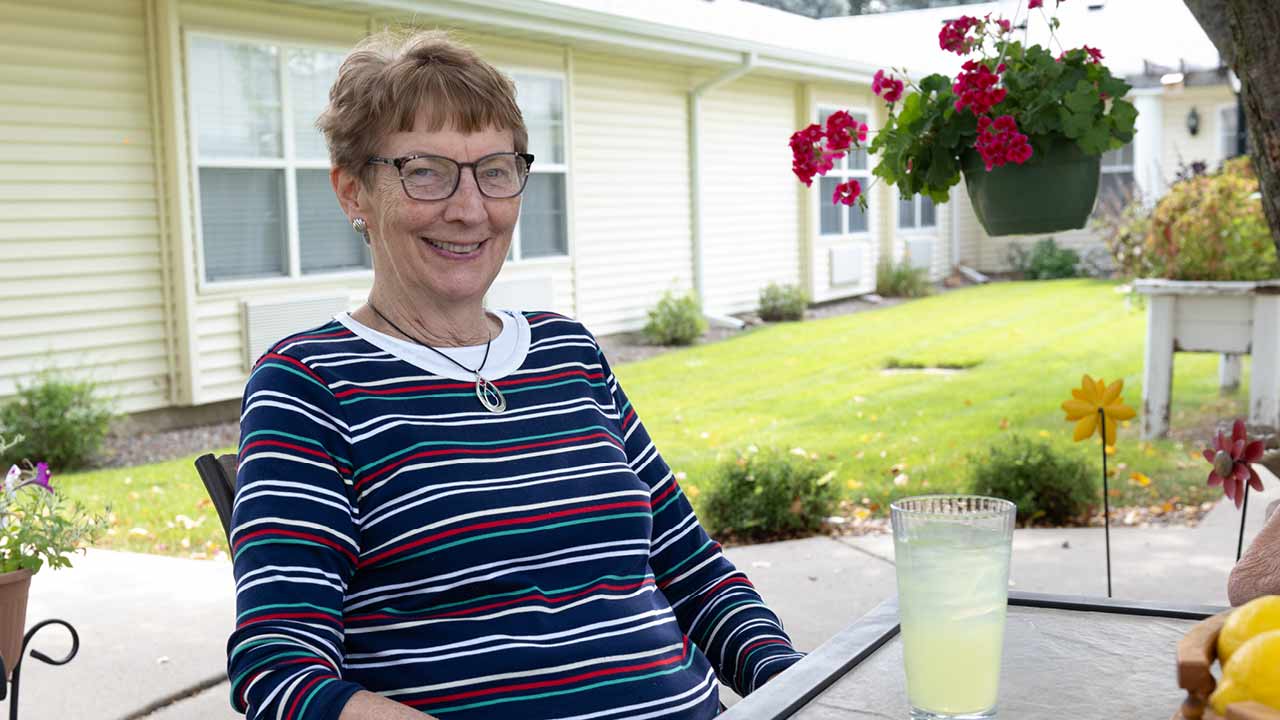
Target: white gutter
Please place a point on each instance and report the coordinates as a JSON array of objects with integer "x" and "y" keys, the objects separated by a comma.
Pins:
[
  {"x": 695, "y": 186},
  {"x": 606, "y": 30}
]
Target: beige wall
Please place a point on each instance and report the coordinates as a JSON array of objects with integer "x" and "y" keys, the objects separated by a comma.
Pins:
[
  {"x": 631, "y": 188},
  {"x": 82, "y": 281},
  {"x": 751, "y": 230}
]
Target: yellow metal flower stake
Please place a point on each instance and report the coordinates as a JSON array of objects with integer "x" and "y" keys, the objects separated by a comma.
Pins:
[{"x": 1090, "y": 406}]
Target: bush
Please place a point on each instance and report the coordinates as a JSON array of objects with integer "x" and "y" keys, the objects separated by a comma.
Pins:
[
  {"x": 1208, "y": 227},
  {"x": 1048, "y": 486},
  {"x": 677, "y": 320},
  {"x": 782, "y": 302},
  {"x": 1045, "y": 261},
  {"x": 900, "y": 279},
  {"x": 768, "y": 495},
  {"x": 59, "y": 421}
]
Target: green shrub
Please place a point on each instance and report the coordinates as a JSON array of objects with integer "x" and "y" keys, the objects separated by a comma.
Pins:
[
  {"x": 59, "y": 420},
  {"x": 1048, "y": 486},
  {"x": 1208, "y": 227},
  {"x": 676, "y": 320},
  {"x": 782, "y": 302},
  {"x": 1046, "y": 260},
  {"x": 900, "y": 279},
  {"x": 769, "y": 494}
]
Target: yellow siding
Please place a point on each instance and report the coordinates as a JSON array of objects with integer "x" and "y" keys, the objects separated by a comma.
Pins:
[
  {"x": 750, "y": 214},
  {"x": 1180, "y": 148},
  {"x": 631, "y": 188},
  {"x": 81, "y": 279}
]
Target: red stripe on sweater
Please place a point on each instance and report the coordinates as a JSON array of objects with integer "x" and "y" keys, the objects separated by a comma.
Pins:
[
  {"x": 684, "y": 651},
  {"x": 500, "y": 523},
  {"x": 362, "y": 482}
]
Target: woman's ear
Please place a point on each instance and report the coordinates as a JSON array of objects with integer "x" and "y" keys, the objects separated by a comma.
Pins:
[{"x": 348, "y": 187}]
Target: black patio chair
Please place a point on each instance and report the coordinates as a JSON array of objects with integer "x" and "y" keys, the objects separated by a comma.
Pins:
[{"x": 219, "y": 476}]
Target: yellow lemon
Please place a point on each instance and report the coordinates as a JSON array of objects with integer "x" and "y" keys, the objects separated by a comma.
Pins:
[
  {"x": 1253, "y": 673},
  {"x": 1256, "y": 616}
]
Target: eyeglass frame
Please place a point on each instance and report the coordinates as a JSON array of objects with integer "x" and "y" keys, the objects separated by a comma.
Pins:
[{"x": 400, "y": 162}]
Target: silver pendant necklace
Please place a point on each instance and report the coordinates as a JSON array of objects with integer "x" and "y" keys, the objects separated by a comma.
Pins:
[{"x": 488, "y": 393}]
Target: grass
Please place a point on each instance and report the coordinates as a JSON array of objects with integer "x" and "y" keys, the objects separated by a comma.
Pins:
[{"x": 820, "y": 385}]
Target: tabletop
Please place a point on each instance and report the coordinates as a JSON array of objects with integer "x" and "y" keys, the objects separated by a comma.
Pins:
[{"x": 1064, "y": 656}]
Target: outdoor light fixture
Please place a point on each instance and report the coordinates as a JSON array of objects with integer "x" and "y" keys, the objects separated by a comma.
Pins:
[
  {"x": 1174, "y": 78},
  {"x": 1193, "y": 122}
]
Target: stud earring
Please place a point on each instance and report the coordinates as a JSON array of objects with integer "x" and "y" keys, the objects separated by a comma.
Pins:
[{"x": 361, "y": 227}]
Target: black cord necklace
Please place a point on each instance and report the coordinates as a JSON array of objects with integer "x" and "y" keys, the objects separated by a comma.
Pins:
[{"x": 488, "y": 393}]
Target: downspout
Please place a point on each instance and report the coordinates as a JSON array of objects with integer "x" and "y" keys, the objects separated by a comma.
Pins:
[{"x": 695, "y": 186}]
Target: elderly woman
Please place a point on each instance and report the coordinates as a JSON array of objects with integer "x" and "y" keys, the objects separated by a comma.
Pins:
[{"x": 453, "y": 511}]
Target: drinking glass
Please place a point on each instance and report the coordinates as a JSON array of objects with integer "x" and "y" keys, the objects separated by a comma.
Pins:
[{"x": 952, "y": 556}]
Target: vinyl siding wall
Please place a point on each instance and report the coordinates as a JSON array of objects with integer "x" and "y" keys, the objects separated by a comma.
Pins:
[
  {"x": 631, "y": 188},
  {"x": 751, "y": 230},
  {"x": 82, "y": 284}
]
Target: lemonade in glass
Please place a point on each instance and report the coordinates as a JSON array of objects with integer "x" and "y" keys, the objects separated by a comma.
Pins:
[{"x": 952, "y": 557}]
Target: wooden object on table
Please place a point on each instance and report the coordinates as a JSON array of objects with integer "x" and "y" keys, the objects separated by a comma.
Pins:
[{"x": 1197, "y": 651}]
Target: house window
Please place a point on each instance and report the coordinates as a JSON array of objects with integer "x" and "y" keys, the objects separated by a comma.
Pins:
[
  {"x": 917, "y": 213},
  {"x": 543, "y": 228},
  {"x": 1116, "y": 186},
  {"x": 266, "y": 206},
  {"x": 841, "y": 219},
  {"x": 1227, "y": 117}
]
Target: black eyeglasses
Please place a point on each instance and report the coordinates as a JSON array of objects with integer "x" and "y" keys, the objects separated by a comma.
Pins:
[{"x": 434, "y": 177}]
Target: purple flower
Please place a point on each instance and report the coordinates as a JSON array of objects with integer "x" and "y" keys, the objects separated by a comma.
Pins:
[{"x": 42, "y": 476}]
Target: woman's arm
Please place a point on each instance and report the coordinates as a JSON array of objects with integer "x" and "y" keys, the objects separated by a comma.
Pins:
[
  {"x": 365, "y": 705},
  {"x": 1258, "y": 572},
  {"x": 294, "y": 544},
  {"x": 716, "y": 605}
]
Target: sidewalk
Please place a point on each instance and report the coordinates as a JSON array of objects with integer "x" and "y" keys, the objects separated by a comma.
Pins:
[{"x": 155, "y": 628}]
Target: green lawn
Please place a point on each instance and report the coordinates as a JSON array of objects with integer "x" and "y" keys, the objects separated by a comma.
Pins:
[{"x": 820, "y": 385}]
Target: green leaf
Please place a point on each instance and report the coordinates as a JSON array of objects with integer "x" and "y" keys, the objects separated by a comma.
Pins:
[
  {"x": 1123, "y": 116},
  {"x": 1083, "y": 98},
  {"x": 1097, "y": 140},
  {"x": 943, "y": 170},
  {"x": 935, "y": 83},
  {"x": 1074, "y": 125}
]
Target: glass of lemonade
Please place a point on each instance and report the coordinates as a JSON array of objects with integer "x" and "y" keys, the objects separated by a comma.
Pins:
[{"x": 952, "y": 556}]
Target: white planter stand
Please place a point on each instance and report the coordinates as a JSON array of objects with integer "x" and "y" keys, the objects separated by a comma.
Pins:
[{"x": 1231, "y": 318}]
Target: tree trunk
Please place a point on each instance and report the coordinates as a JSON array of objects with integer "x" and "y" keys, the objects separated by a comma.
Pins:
[
  {"x": 1255, "y": 32},
  {"x": 1247, "y": 35}
]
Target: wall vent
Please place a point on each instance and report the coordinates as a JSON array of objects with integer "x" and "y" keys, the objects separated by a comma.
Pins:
[
  {"x": 268, "y": 320},
  {"x": 920, "y": 252},
  {"x": 846, "y": 264}
]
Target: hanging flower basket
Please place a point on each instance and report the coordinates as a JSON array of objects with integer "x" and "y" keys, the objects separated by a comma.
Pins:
[
  {"x": 1025, "y": 125},
  {"x": 1053, "y": 191}
]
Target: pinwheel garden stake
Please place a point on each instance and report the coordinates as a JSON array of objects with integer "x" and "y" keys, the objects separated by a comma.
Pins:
[
  {"x": 1098, "y": 406},
  {"x": 1232, "y": 460}
]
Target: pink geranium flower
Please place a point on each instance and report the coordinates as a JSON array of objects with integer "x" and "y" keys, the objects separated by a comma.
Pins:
[
  {"x": 887, "y": 87},
  {"x": 847, "y": 192},
  {"x": 1231, "y": 460}
]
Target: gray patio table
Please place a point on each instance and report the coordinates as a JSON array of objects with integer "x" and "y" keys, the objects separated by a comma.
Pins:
[{"x": 1064, "y": 657}]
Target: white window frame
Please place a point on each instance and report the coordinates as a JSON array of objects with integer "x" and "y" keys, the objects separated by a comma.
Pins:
[
  {"x": 543, "y": 166},
  {"x": 1226, "y": 148},
  {"x": 844, "y": 173},
  {"x": 288, "y": 163},
  {"x": 1117, "y": 169},
  {"x": 917, "y": 202}
]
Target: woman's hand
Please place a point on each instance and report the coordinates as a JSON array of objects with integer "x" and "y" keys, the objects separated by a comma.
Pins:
[
  {"x": 1258, "y": 572},
  {"x": 365, "y": 705}
]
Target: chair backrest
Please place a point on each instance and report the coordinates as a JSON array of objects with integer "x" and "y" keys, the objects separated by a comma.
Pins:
[{"x": 219, "y": 477}]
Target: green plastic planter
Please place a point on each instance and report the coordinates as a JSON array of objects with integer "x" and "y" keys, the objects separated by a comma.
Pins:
[{"x": 1052, "y": 191}]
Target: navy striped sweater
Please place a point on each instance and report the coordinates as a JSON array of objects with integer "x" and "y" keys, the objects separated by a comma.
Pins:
[{"x": 390, "y": 534}]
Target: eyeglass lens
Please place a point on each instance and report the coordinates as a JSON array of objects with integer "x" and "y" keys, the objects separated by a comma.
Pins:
[{"x": 434, "y": 178}]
